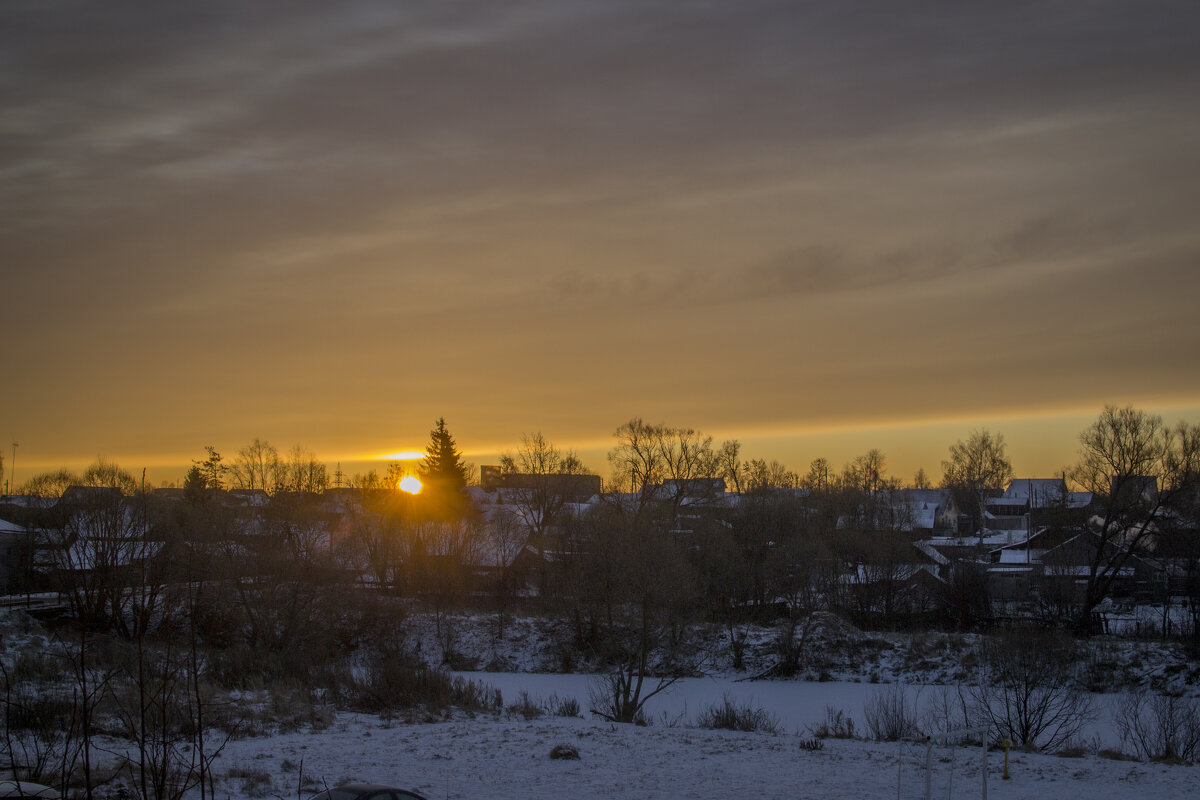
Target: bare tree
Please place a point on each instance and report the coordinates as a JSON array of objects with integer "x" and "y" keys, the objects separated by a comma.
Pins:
[
  {"x": 1159, "y": 727},
  {"x": 256, "y": 466},
  {"x": 376, "y": 523},
  {"x": 819, "y": 477},
  {"x": 866, "y": 473},
  {"x": 1027, "y": 692},
  {"x": 541, "y": 481},
  {"x": 97, "y": 545},
  {"x": 302, "y": 472},
  {"x": 760, "y": 475},
  {"x": 663, "y": 464},
  {"x": 974, "y": 469},
  {"x": 47, "y": 487},
  {"x": 650, "y": 583},
  {"x": 1138, "y": 470},
  {"x": 921, "y": 480}
]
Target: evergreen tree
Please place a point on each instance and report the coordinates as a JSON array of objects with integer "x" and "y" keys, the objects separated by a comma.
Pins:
[{"x": 443, "y": 466}]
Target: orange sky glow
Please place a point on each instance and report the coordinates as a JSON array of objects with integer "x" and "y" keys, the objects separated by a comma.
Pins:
[{"x": 817, "y": 231}]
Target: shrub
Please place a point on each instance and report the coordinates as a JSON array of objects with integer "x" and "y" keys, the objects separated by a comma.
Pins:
[
  {"x": 563, "y": 706},
  {"x": 890, "y": 715},
  {"x": 728, "y": 715},
  {"x": 1027, "y": 692},
  {"x": 394, "y": 684},
  {"x": 1160, "y": 727},
  {"x": 948, "y": 709},
  {"x": 525, "y": 707},
  {"x": 837, "y": 725}
]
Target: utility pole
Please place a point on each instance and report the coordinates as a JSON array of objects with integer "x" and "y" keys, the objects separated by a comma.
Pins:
[{"x": 12, "y": 470}]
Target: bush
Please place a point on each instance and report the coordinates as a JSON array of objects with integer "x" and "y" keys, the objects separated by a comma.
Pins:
[
  {"x": 890, "y": 715},
  {"x": 393, "y": 684},
  {"x": 525, "y": 707},
  {"x": 837, "y": 725},
  {"x": 563, "y": 706},
  {"x": 1028, "y": 693},
  {"x": 1160, "y": 727},
  {"x": 948, "y": 710},
  {"x": 728, "y": 715}
]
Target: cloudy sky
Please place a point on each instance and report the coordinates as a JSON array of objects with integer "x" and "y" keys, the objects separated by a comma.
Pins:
[{"x": 813, "y": 226}]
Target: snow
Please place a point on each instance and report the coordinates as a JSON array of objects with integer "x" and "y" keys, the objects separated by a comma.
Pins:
[
  {"x": 505, "y": 756},
  {"x": 490, "y": 757}
]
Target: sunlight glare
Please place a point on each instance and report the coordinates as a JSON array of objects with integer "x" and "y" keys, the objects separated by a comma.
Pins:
[
  {"x": 410, "y": 484},
  {"x": 403, "y": 455}
]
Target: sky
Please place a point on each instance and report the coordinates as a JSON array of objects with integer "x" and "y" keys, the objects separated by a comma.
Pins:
[{"x": 815, "y": 227}]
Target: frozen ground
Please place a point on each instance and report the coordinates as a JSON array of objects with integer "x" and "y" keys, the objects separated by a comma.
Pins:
[
  {"x": 487, "y": 757},
  {"x": 798, "y": 706},
  {"x": 835, "y": 651},
  {"x": 501, "y": 756}
]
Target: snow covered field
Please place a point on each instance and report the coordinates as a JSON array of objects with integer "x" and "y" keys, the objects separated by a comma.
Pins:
[
  {"x": 796, "y": 704},
  {"x": 506, "y": 757},
  {"x": 487, "y": 757}
]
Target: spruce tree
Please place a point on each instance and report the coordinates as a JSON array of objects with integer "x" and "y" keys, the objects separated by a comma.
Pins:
[{"x": 443, "y": 465}]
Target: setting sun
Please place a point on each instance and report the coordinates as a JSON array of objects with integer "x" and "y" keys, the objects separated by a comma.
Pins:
[{"x": 410, "y": 484}]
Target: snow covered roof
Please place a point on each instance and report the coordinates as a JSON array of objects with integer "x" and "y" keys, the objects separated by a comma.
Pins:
[
  {"x": 1009, "y": 555},
  {"x": 932, "y": 552},
  {"x": 10, "y": 527},
  {"x": 1042, "y": 493}
]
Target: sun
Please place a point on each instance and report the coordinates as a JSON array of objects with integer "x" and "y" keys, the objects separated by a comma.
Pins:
[{"x": 410, "y": 484}]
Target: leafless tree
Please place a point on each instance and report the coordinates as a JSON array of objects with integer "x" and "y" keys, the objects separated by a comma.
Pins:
[
  {"x": 541, "y": 482},
  {"x": 506, "y": 538},
  {"x": 1028, "y": 693},
  {"x": 760, "y": 475},
  {"x": 921, "y": 480},
  {"x": 650, "y": 584},
  {"x": 974, "y": 469},
  {"x": 1138, "y": 470},
  {"x": 662, "y": 464},
  {"x": 866, "y": 473},
  {"x": 257, "y": 466},
  {"x": 1159, "y": 727},
  {"x": 302, "y": 472}
]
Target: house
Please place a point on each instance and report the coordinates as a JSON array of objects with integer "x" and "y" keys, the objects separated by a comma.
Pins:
[
  {"x": 15, "y": 543},
  {"x": 930, "y": 512},
  {"x": 1028, "y": 503}
]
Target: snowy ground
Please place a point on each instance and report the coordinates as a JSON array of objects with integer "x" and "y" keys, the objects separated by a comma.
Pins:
[
  {"x": 488, "y": 757},
  {"x": 835, "y": 651},
  {"x": 798, "y": 706},
  {"x": 503, "y": 756}
]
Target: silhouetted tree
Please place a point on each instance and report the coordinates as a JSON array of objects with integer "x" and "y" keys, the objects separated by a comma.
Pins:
[
  {"x": 540, "y": 477},
  {"x": 442, "y": 470},
  {"x": 256, "y": 466},
  {"x": 1138, "y": 470},
  {"x": 921, "y": 480},
  {"x": 663, "y": 465},
  {"x": 867, "y": 473},
  {"x": 212, "y": 470},
  {"x": 975, "y": 469},
  {"x": 302, "y": 472}
]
